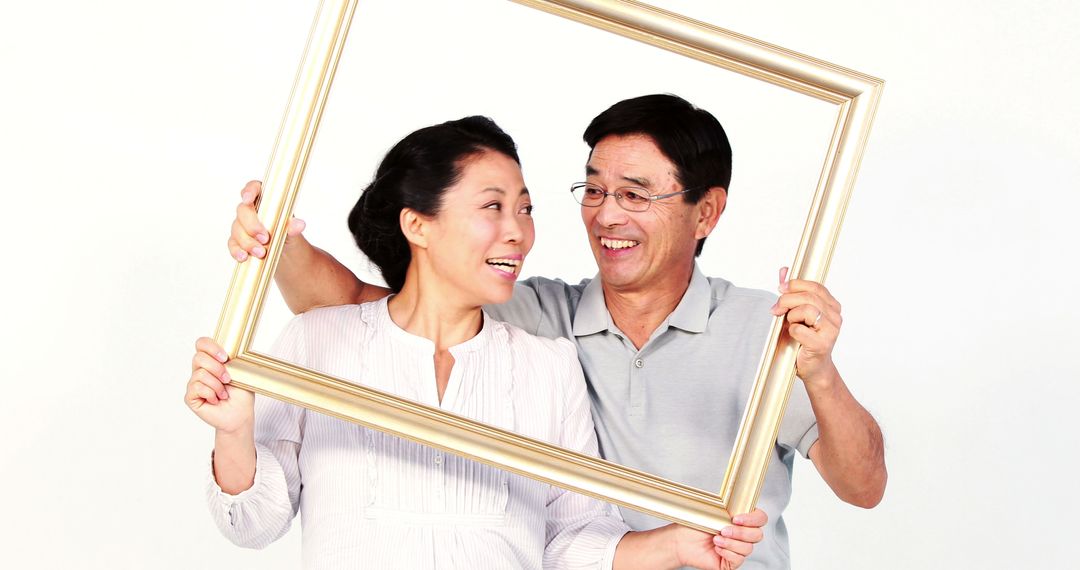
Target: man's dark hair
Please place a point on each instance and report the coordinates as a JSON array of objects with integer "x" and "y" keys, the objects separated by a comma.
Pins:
[
  {"x": 691, "y": 138},
  {"x": 415, "y": 174}
]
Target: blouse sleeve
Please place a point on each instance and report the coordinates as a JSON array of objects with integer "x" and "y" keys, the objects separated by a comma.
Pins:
[
  {"x": 582, "y": 532},
  {"x": 263, "y": 513}
]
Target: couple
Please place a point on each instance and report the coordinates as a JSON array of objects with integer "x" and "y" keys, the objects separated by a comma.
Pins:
[{"x": 447, "y": 220}]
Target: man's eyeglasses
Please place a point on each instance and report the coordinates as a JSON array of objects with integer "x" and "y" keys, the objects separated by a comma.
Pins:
[{"x": 631, "y": 198}]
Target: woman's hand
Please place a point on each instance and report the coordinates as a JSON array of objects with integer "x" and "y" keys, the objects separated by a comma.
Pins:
[
  {"x": 675, "y": 546},
  {"x": 228, "y": 409},
  {"x": 249, "y": 238},
  {"x": 726, "y": 550}
]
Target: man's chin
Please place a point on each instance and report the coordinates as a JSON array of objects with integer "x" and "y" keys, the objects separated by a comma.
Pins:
[{"x": 618, "y": 276}]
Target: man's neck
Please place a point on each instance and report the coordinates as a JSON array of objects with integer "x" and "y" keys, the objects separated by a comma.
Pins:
[{"x": 638, "y": 312}]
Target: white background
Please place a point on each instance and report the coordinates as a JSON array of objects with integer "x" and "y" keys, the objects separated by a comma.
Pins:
[{"x": 127, "y": 129}]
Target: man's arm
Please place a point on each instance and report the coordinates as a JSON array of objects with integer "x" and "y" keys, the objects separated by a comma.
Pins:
[
  {"x": 850, "y": 452},
  {"x": 307, "y": 276}
]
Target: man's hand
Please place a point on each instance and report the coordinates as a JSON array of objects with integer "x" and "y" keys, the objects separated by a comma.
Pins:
[
  {"x": 249, "y": 237},
  {"x": 849, "y": 452},
  {"x": 814, "y": 321}
]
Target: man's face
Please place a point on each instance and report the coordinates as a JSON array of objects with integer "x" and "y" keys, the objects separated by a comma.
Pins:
[{"x": 636, "y": 251}]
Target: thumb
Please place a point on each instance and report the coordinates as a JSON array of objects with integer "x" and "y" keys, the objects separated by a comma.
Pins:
[{"x": 296, "y": 227}]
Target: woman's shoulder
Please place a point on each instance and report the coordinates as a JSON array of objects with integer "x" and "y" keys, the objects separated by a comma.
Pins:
[
  {"x": 528, "y": 343},
  {"x": 336, "y": 313},
  {"x": 547, "y": 375},
  {"x": 324, "y": 322},
  {"x": 547, "y": 364}
]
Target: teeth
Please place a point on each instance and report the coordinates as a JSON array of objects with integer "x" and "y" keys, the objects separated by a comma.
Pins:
[
  {"x": 617, "y": 243},
  {"x": 502, "y": 261},
  {"x": 508, "y": 265}
]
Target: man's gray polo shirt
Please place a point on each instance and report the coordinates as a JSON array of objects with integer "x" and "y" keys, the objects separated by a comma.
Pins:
[{"x": 673, "y": 408}]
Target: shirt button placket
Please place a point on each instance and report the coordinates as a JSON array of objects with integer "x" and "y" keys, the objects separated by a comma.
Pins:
[
  {"x": 637, "y": 385},
  {"x": 440, "y": 482}
]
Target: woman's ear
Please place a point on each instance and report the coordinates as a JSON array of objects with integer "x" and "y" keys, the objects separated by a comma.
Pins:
[{"x": 414, "y": 226}]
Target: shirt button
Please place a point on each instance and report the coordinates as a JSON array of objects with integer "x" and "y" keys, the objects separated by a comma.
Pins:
[
  {"x": 638, "y": 363},
  {"x": 438, "y": 460}
]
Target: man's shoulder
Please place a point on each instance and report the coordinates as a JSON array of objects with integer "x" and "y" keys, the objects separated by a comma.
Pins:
[
  {"x": 539, "y": 300},
  {"x": 552, "y": 289},
  {"x": 724, "y": 291}
]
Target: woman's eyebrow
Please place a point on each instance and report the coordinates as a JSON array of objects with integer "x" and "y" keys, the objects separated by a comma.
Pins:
[{"x": 521, "y": 192}]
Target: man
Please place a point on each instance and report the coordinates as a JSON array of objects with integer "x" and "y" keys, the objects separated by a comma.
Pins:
[{"x": 668, "y": 353}]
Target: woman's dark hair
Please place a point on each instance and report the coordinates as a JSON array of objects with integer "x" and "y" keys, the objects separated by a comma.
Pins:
[
  {"x": 691, "y": 138},
  {"x": 415, "y": 174}
]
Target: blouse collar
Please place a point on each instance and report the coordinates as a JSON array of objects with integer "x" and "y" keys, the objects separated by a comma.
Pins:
[{"x": 477, "y": 342}]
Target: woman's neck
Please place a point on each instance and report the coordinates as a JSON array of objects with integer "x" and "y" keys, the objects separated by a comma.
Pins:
[{"x": 433, "y": 315}]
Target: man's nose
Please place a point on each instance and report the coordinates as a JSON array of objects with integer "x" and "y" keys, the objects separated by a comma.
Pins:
[{"x": 610, "y": 213}]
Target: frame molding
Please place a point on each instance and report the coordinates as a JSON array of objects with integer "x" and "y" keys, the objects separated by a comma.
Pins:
[{"x": 856, "y": 96}]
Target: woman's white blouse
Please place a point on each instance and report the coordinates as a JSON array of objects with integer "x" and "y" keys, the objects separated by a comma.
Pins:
[{"x": 371, "y": 500}]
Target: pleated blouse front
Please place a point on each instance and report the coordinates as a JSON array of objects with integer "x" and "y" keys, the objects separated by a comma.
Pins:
[{"x": 371, "y": 500}]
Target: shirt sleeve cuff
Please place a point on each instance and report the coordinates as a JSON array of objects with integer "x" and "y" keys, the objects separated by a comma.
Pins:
[
  {"x": 267, "y": 469},
  {"x": 808, "y": 440},
  {"x": 608, "y": 561}
]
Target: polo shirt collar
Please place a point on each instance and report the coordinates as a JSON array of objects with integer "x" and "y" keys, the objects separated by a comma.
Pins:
[
  {"x": 692, "y": 312},
  {"x": 592, "y": 315},
  {"x": 690, "y": 315}
]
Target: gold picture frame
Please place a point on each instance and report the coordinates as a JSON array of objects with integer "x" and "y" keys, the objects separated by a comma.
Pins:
[{"x": 856, "y": 96}]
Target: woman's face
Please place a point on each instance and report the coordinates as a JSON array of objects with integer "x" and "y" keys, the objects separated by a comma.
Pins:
[{"x": 478, "y": 241}]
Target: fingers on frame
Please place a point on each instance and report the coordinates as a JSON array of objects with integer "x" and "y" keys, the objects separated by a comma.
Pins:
[
  {"x": 203, "y": 391},
  {"x": 806, "y": 314},
  {"x": 792, "y": 300},
  {"x": 209, "y": 346},
  {"x": 815, "y": 288},
  {"x": 755, "y": 518},
  {"x": 235, "y": 251},
  {"x": 245, "y": 241},
  {"x": 743, "y": 539},
  {"x": 251, "y": 191},
  {"x": 746, "y": 536},
  {"x": 733, "y": 558},
  {"x": 737, "y": 547},
  {"x": 216, "y": 381},
  {"x": 240, "y": 236},
  {"x": 201, "y": 376},
  {"x": 209, "y": 362},
  {"x": 816, "y": 340},
  {"x": 249, "y": 221}
]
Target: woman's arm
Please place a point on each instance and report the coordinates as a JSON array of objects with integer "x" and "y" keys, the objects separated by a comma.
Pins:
[
  {"x": 253, "y": 488},
  {"x": 307, "y": 276}
]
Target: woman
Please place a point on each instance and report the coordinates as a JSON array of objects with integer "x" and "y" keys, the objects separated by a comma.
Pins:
[{"x": 448, "y": 222}]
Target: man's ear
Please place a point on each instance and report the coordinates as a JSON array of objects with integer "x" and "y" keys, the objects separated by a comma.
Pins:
[
  {"x": 710, "y": 207},
  {"x": 414, "y": 226}
]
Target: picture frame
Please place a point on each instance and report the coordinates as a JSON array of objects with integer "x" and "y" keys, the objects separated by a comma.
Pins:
[{"x": 856, "y": 97}]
